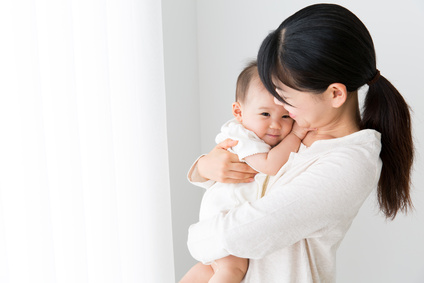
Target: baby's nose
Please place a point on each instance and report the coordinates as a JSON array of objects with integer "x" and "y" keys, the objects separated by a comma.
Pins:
[{"x": 275, "y": 125}]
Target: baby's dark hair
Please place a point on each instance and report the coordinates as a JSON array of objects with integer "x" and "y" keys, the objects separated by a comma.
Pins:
[{"x": 246, "y": 76}]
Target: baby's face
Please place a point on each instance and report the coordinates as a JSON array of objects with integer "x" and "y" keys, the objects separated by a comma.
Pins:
[{"x": 260, "y": 114}]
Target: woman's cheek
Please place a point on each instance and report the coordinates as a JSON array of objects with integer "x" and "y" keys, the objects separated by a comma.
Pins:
[{"x": 292, "y": 111}]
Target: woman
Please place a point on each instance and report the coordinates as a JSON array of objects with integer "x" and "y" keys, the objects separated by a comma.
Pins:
[{"x": 313, "y": 64}]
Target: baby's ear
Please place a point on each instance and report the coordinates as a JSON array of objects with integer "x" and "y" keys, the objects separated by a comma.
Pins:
[{"x": 237, "y": 111}]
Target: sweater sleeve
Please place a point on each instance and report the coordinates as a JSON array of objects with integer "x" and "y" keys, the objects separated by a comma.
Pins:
[
  {"x": 331, "y": 190},
  {"x": 194, "y": 177}
]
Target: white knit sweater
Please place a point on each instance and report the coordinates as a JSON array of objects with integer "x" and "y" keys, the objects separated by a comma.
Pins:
[{"x": 293, "y": 232}]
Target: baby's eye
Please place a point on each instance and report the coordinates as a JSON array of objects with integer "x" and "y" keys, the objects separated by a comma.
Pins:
[
  {"x": 265, "y": 114},
  {"x": 286, "y": 116}
]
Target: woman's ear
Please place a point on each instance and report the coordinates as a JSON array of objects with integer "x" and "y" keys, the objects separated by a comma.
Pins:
[
  {"x": 337, "y": 94},
  {"x": 237, "y": 111}
]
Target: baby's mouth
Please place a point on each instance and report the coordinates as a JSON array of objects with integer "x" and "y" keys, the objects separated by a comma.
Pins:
[{"x": 273, "y": 135}]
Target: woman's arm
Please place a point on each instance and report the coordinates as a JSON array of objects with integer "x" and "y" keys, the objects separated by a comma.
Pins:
[
  {"x": 327, "y": 192},
  {"x": 220, "y": 165}
]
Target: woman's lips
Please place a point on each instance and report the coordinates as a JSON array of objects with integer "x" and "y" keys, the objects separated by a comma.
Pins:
[{"x": 292, "y": 115}]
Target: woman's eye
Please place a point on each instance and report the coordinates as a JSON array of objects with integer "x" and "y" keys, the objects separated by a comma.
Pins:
[{"x": 265, "y": 114}]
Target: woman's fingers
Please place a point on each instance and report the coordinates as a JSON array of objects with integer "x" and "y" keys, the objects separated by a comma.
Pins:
[
  {"x": 223, "y": 166},
  {"x": 240, "y": 173},
  {"x": 237, "y": 177},
  {"x": 234, "y": 171},
  {"x": 242, "y": 167},
  {"x": 227, "y": 144}
]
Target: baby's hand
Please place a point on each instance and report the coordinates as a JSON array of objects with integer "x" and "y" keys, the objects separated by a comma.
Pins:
[{"x": 300, "y": 132}]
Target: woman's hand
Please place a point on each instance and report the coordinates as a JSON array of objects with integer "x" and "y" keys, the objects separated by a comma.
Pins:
[{"x": 223, "y": 166}]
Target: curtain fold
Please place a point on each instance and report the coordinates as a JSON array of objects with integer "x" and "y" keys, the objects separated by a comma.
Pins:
[{"x": 84, "y": 185}]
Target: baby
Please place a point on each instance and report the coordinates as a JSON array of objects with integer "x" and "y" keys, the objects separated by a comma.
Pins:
[{"x": 266, "y": 137}]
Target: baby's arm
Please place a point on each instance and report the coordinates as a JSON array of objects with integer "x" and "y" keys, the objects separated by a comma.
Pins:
[{"x": 271, "y": 162}]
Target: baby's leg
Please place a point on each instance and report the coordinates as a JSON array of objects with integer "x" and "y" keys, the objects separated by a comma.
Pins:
[
  {"x": 198, "y": 274},
  {"x": 229, "y": 269}
]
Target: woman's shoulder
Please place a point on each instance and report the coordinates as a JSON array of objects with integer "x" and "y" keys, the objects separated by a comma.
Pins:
[
  {"x": 363, "y": 136},
  {"x": 367, "y": 139},
  {"x": 356, "y": 152},
  {"x": 351, "y": 162}
]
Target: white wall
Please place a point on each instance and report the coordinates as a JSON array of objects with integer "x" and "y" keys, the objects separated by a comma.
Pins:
[
  {"x": 207, "y": 43},
  {"x": 183, "y": 119}
]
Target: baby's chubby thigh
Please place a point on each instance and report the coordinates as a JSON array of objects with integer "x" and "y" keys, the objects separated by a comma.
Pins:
[{"x": 231, "y": 266}]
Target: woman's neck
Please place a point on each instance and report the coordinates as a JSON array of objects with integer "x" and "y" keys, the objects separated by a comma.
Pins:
[{"x": 346, "y": 123}]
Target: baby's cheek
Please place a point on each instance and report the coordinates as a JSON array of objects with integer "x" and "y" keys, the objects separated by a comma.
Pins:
[{"x": 287, "y": 127}]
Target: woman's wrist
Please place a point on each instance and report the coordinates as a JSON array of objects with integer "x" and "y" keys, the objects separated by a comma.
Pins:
[
  {"x": 193, "y": 174},
  {"x": 199, "y": 172}
]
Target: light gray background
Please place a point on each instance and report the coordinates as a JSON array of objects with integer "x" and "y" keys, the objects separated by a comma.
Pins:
[{"x": 207, "y": 43}]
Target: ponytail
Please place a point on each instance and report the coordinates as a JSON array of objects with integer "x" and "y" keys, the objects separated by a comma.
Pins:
[{"x": 386, "y": 111}]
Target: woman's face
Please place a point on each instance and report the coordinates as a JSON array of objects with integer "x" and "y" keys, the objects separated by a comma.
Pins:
[{"x": 309, "y": 110}]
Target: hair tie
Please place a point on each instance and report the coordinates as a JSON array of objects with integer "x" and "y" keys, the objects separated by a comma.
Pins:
[{"x": 375, "y": 78}]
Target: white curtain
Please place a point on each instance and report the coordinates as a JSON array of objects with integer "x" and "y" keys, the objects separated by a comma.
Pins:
[{"x": 84, "y": 187}]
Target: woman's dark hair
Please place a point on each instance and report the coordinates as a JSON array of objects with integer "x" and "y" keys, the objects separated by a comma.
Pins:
[{"x": 324, "y": 44}]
